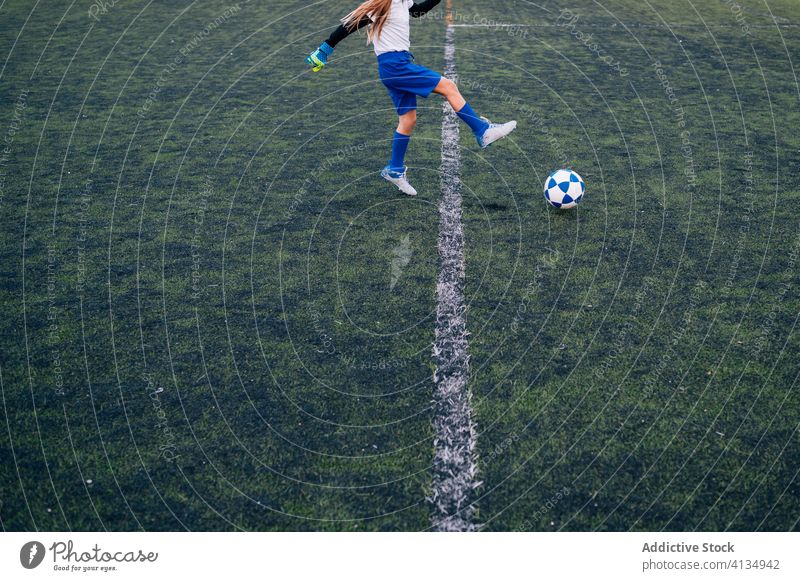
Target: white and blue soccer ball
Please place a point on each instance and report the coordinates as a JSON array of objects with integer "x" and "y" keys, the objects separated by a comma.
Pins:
[{"x": 564, "y": 189}]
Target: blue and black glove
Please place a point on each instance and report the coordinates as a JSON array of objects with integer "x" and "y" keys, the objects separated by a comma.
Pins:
[{"x": 319, "y": 58}]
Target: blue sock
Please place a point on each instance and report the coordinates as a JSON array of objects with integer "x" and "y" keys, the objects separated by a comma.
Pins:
[
  {"x": 471, "y": 118},
  {"x": 399, "y": 146}
]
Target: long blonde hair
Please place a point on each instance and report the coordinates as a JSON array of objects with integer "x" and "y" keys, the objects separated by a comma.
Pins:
[{"x": 377, "y": 10}]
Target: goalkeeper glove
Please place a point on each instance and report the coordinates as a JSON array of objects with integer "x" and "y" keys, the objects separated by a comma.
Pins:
[{"x": 319, "y": 58}]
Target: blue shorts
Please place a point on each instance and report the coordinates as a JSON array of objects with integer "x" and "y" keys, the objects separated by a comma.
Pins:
[{"x": 405, "y": 80}]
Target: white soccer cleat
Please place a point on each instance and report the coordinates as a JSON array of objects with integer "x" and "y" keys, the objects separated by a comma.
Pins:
[
  {"x": 496, "y": 131},
  {"x": 399, "y": 179}
]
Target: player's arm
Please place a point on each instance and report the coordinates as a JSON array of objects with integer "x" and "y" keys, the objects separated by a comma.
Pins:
[
  {"x": 319, "y": 57},
  {"x": 421, "y": 8}
]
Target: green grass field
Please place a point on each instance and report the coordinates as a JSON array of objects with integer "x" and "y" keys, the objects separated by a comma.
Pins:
[{"x": 217, "y": 316}]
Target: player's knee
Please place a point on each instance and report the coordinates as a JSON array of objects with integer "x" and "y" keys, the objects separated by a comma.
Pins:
[
  {"x": 407, "y": 122},
  {"x": 447, "y": 87}
]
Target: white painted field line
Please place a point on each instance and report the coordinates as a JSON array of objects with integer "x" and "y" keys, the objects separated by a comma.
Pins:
[
  {"x": 455, "y": 468},
  {"x": 620, "y": 28},
  {"x": 501, "y": 25}
]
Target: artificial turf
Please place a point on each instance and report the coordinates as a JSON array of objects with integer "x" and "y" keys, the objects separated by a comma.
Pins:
[{"x": 217, "y": 316}]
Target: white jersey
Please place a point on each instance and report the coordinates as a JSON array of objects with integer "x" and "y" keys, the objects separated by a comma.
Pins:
[{"x": 395, "y": 35}]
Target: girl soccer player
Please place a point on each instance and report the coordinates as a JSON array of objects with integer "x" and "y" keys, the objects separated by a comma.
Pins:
[{"x": 388, "y": 31}]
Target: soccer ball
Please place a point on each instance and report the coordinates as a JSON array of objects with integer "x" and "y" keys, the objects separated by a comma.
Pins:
[{"x": 564, "y": 188}]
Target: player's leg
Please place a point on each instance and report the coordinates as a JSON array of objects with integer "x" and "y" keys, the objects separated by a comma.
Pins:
[
  {"x": 402, "y": 136},
  {"x": 395, "y": 170},
  {"x": 485, "y": 131},
  {"x": 406, "y": 122},
  {"x": 449, "y": 90}
]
